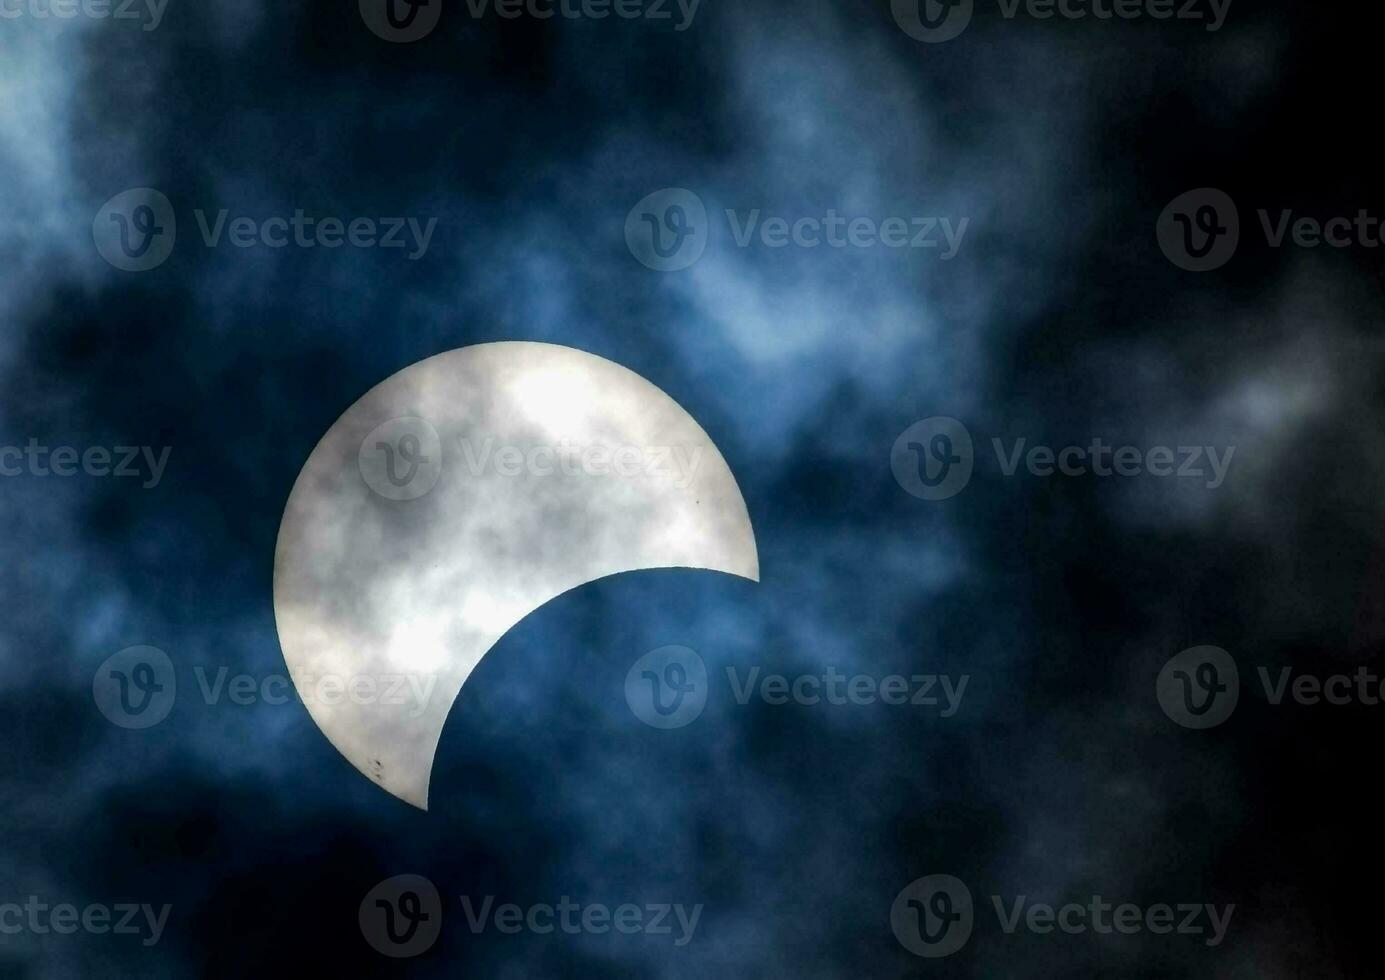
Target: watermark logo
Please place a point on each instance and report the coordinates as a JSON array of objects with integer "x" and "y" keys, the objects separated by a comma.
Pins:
[
  {"x": 668, "y": 230},
  {"x": 1199, "y": 230},
  {"x": 932, "y": 916},
  {"x": 136, "y": 687},
  {"x": 310, "y": 231},
  {"x": 932, "y": 21},
  {"x": 401, "y": 459},
  {"x": 1199, "y": 687},
  {"x": 135, "y": 231},
  {"x": 245, "y": 690},
  {"x": 401, "y": 21},
  {"x": 667, "y": 687},
  {"x": 933, "y": 459},
  {"x": 402, "y": 916}
]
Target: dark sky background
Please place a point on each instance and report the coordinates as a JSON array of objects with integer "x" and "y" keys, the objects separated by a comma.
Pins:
[{"x": 1059, "y": 320}]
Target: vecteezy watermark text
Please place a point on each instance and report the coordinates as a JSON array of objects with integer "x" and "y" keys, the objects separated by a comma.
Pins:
[
  {"x": 136, "y": 231},
  {"x": 406, "y": 21},
  {"x": 669, "y": 230},
  {"x": 836, "y": 688},
  {"x": 403, "y": 459},
  {"x": 934, "y": 917},
  {"x": 668, "y": 688},
  {"x": 311, "y": 232},
  {"x": 1200, "y": 687},
  {"x": 325, "y": 689},
  {"x": 935, "y": 21},
  {"x": 36, "y": 459},
  {"x": 674, "y": 464},
  {"x": 575, "y": 918},
  {"x": 836, "y": 231},
  {"x": 654, "y": 10},
  {"x": 934, "y": 459},
  {"x": 37, "y": 917},
  {"x": 402, "y": 917},
  {"x": 1200, "y": 230},
  {"x": 137, "y": 687},
  {"x": 149, "y": 11}
]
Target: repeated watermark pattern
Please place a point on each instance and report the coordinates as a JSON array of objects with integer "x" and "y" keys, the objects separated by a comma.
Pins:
[
  {"x": 136, "y": 231},
  {"x": 402, "y": 459},
  {"x": 144, "y": 463},
  {"x": 137, "y": 688},
  {"x": 935, "y": 21},
  {"x": 148, "y": 13},
  {"x": 37, "y": 917},
  {"x": 669, "y": 230},
  {"x": 406, "y": 21},
  {"x": 934, "y": 916},
  {"x": 1200, "y": 230},
  {"x": 1200, "y": 687},
  {"x": 677, "y": 465},
  {"x": 675, "y": 920},
  {"x": 668, "y": 688},
  {"x": 934, "y": 459},
  {"x": 395, "y": 689},
  {"x": 402, "y": 917}
]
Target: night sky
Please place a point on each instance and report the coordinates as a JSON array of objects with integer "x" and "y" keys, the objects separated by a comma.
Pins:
[{"x": 1047, "y": 170}]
